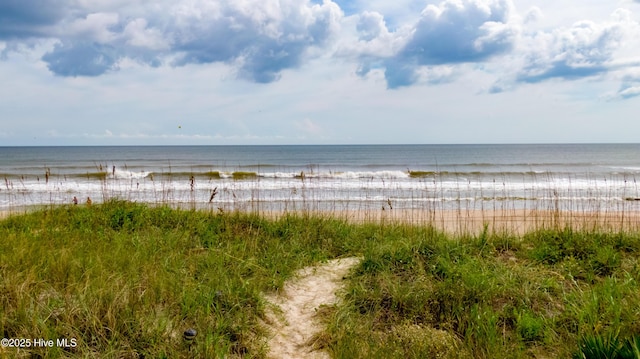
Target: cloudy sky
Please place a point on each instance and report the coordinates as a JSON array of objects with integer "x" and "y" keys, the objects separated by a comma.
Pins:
[{"x": 140, "y": 72}]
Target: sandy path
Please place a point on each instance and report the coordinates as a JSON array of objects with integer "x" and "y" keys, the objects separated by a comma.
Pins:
[{"x": 295, "y": 325}]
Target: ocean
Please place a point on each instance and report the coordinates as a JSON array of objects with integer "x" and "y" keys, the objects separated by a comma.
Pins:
[{"x": 579, "y": 177}]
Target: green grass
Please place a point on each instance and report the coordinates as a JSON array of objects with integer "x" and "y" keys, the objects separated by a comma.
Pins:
[
  {"x": 495, "y": 296},
  {"x": 126, "y": 280}
]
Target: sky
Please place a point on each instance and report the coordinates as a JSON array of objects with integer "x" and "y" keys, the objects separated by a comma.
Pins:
[{"x": 249, "y": 72}]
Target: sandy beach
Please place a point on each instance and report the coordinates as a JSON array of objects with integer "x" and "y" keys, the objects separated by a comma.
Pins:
[
  {"x": 18, "y": 210},
  {"x": 474, "y": 221}
]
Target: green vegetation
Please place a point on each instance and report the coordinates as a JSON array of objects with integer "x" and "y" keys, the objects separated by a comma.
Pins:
[
  {"x": 490, "y": 295},
  {"x": 127, "y": 280}
]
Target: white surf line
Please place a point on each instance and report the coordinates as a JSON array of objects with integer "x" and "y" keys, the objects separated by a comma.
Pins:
[{"x": 295, "y": 325}]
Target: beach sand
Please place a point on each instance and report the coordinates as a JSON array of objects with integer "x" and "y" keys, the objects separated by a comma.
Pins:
[
  {"x": 16, "y": 211},
  {"x": 474, "y": 221},
  {"x": 293, "y": 322},
  {"x": 514, "y": 221}
]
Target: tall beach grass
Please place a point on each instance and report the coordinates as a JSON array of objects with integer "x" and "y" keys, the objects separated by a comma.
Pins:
[
  {"x": 464, "y": 202},
  {"x": 443, "y": 275},
  {"x": 126, "y": 280}
]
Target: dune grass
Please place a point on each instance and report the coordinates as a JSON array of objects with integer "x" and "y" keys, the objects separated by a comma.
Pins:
[
  {"x": 423, "y": 294},
  {"x": 126, "y": 280}
]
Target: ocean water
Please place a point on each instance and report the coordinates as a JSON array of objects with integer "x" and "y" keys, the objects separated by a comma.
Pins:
[{"x": 582, "y": 177}]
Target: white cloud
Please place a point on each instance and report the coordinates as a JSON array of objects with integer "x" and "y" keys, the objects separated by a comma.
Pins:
[
  {"x": 628, "y": 92},
  {"x": 372, "y": 40},
  {"x": 94, "y": 27},
  {"x": 453, "y": 32},
  {"x": 462, "y": 31},
  {"x": 595, "y": 50},
  {"x": 324, "y": 69},
  {"x": 138, "y": 34},
  {"x": 371, "y": 25},
  {"x": 532, "y": 15},
  {"x": 261, "y": 38},
  {"x": 438, "y": 74}
]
